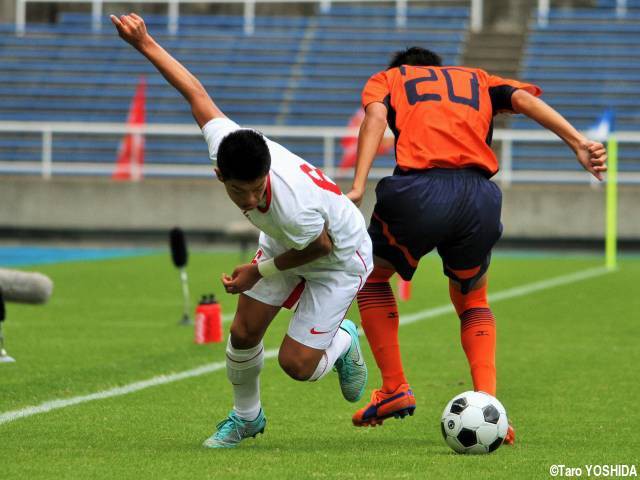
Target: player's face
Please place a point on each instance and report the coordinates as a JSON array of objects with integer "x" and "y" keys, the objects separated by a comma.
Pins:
[{"x": 247, "y": 194}]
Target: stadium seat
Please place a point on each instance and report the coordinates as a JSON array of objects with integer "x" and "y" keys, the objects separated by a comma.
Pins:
[
  {"x": 583, "y": 61},
  {"x": 296, "y": 70},
  {"x": 310, "y": 71}
]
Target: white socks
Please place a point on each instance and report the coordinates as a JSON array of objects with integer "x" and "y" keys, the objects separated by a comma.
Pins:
[
  {"x": 243, "y": 371},
  {"x": 340, "y": 344},
  {"x": 244, "y": 366}
]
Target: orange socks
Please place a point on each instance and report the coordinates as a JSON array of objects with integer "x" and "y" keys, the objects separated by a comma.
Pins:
[
  {"x": 379, "y": 314},
  {"x": 478, "y": 335}
]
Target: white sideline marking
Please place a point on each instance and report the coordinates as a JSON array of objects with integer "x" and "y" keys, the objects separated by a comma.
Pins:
[
  {"x": 117, "y": 391},
  {"x": 511, "y": 293},
  {"x": 523, "y": 290}
]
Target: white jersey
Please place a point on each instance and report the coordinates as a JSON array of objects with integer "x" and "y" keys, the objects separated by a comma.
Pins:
[{"x": 300, "y": 200}]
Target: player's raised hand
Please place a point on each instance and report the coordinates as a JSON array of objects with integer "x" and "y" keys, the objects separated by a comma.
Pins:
[
  {"x": 355, "y": 195},
  {"x": 131, "y": 29},
  {"x": 593, "y": 158},
  {"x": 243, "y": 278}
]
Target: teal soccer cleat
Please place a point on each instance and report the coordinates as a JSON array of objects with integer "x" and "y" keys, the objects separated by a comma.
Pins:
[
  {"x": 233, "y": 429},
  {"x": 352, "y": 371}
]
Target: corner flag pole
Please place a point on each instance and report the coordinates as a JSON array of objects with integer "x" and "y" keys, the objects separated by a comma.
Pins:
[{"x": 611, "y": 238}]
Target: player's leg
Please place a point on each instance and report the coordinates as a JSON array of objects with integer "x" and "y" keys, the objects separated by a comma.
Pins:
[
  {"x": 305, "y": 363},
  {"x": 302, "y": 362},
  {"x": 245, "y": 352},
  {"x": 466, "y": 258},
  {"x": 319, "y": 338},
  {"x": 397, "y": 230},
  {"x": 478, "y": 336},
  {"x": 477, "y": 332},
  {"x": 380, "y": 322},
  {"x": 244, "y": 359}
]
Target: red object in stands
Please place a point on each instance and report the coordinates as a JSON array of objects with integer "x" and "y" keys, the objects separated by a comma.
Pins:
[{"x": 131, "y": 150}]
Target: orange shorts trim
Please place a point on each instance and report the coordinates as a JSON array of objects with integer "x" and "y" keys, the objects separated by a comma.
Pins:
[
  {"x": 466, "y": 274},
  {"x": 394, "y": 243}
]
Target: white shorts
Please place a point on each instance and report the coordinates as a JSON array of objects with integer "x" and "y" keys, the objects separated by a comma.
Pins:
[{"x": 322, "y": 296}]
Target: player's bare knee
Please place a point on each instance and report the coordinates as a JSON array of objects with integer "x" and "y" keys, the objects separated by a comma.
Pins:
[
  {"x": 242, "y": 337},
  {"x": 296, "y": 368}
]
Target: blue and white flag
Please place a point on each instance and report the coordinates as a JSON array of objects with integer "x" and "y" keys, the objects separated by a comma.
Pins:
[{"x": 601, "y": 130}]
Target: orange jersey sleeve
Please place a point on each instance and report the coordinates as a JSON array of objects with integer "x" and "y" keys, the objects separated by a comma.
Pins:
[
  {"x": 501, "y": 89},
  {"x": 442, "y": 117},
  {"x": 376, "y": 90}
]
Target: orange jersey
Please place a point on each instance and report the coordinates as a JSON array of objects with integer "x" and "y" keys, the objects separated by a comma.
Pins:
[{"x": 442, "y": 117}]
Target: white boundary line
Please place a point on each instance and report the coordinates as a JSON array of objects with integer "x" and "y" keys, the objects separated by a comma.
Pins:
[
  {"x": 523, "y": 290},
  {"x": 509, "y": 293}
]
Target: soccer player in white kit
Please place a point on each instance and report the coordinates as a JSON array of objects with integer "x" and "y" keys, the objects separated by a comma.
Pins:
[{"x": 314, "y": 250}]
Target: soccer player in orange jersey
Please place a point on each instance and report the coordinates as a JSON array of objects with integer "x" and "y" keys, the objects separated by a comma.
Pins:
[{"x": 439, "y": 196}]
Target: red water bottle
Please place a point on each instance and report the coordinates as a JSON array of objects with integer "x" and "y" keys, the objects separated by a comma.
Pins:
[{"x": 208, "y": 320}]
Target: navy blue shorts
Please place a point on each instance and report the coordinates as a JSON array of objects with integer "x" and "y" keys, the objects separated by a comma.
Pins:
[{"x": 455, "y": 211}]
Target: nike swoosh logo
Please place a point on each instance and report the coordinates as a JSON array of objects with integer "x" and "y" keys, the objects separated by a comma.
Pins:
[
  {"x": 360, "y": 361},
  {"x": 315, "y": 332}
]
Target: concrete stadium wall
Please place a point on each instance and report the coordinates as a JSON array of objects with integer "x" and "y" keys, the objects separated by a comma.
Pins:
[
  {"x": 7, "y": 11},
  {"x": 99, "y": 204}
]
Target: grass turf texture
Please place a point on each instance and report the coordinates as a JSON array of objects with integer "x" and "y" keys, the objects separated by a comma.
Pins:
[{"x": 567, "y": 360}]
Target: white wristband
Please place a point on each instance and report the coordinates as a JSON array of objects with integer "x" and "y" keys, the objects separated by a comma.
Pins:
[{"x": 268, "y": 267}]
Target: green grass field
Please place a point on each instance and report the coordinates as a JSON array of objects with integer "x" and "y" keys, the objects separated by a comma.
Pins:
[{"x": 567, "y": 373}]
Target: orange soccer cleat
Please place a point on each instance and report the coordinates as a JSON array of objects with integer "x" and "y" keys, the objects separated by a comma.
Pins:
[
  {"x": 510, "y": 439},
  {"x": 398, "y": 404}
]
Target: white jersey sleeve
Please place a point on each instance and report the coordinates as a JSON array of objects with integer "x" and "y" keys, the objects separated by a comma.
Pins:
[
  {"x": 214, "y": 131},
  {"x": 304, "y": 228}
]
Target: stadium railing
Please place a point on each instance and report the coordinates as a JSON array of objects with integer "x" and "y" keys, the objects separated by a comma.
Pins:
[
  {"x": 173, "y": 13},
  {"x": 330, "y": 136},
  {"x": 544, "y": 6}
]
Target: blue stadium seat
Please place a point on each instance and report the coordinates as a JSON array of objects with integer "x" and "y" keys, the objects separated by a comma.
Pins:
[
  {"x": 294, "y": 70},
  {"x": 584, "y": 62},
  {"x": 299, "y": 70}
]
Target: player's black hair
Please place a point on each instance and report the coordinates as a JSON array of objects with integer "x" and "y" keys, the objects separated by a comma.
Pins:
[
  {"x": 417, "y": 56},
  {"x": 243, "y": 155}
]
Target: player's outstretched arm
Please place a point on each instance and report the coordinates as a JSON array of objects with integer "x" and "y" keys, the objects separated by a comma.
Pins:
[
  {"x": 132, "y": 29},
  {"x": 590, "y": 154},
  {"x": 371, "y": 132}
]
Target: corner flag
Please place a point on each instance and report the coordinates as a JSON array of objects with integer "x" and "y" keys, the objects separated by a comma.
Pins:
[
  {"x": 601, "y": 130},
  {"x": 604, "y": 131},
  {"x": 131, "y": 150}
]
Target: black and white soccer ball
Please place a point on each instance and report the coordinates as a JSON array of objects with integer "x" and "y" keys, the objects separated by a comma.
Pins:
[{"x": 474, "y": 422}]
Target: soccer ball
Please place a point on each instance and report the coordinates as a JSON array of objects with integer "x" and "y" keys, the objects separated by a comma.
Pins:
[{"x": 474, "y": 422}]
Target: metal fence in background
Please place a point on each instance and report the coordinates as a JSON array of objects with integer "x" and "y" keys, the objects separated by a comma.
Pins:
[
  {"x": 545, "y": 5},
  {"x": 46, "y": 167},
  {"x": 173, "y": 10}
]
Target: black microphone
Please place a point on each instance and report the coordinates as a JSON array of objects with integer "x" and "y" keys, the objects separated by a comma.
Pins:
[
  {"x": 3, "y": 312},
  {"x": 179, "y": 256},
  {"x": 4, "y": 356},
  {"x": 178, "y": 247}
]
